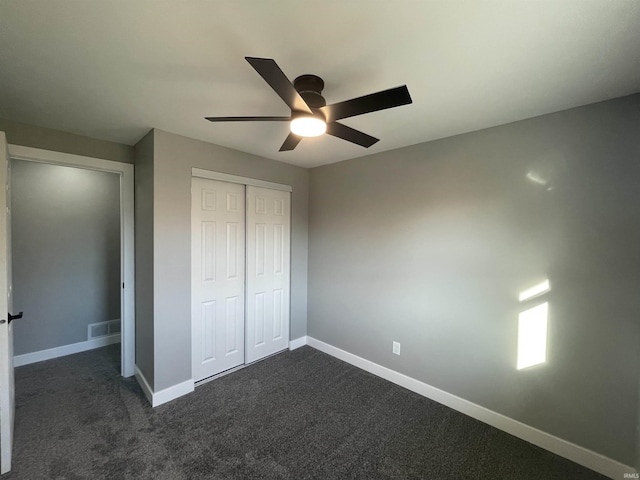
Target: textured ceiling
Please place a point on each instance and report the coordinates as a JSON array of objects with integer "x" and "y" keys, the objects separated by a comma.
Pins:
[{"x": 114, "y": 69}]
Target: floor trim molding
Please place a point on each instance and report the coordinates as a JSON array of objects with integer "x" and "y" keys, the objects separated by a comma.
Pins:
[
  {"x": 297, "y": 342},
  {"x": 172, "y": 392},
  {"x": 575, "y": 453},
  {"x": 64, "y": 350},
  {"x": 165, "y": 395}
]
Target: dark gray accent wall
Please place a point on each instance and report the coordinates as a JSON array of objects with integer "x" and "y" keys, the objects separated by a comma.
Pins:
[
  {"x": 144, "y": 255},
  {"x": 173, "y": 158},
  {"x": 65, "y": 251},
  {"x": 59, "y": 141},
  {"x": 430, "y": 245}
]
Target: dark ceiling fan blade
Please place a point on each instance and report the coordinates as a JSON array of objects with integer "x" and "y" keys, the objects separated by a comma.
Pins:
[
  {"x": 290, "y": 142},
  {"x": 350, "y": 134},
  {"x": 270, "y": 71},
  {"x": 248, "y": 119},
  {"x": 394, "y": 97}
]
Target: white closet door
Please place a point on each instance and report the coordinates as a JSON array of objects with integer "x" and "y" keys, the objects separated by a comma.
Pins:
[
  {"x": 217, "y": 276},
  {"x": 268, "y": 247}
]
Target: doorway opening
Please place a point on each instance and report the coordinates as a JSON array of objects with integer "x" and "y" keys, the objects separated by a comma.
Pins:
[{"x": 73, "y": 255}]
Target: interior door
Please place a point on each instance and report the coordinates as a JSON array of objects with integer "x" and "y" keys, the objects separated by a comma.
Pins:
[
  {"x": 268, "y": 259},
  {"x": 217, "y": 276},
  {"x": 7, "y": 406}
]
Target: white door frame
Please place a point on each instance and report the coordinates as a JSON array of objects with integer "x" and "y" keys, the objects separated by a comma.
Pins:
[
  {"x": 127, "y": 277},
  {"x": 7, "y": 384}
]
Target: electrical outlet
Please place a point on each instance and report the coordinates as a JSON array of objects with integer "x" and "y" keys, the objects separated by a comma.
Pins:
[{"x": 396, "y": 348}]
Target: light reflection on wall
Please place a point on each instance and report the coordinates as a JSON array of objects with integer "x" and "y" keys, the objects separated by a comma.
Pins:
[
  {"x": 539, "y": 289},
  {"x": 532, "y": 328}
]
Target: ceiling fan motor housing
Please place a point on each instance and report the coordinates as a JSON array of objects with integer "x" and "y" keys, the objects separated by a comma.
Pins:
[{"x": 310, "y": 87}]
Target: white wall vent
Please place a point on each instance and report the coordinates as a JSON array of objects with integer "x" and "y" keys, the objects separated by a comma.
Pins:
[{"x": 101, "y": 329}]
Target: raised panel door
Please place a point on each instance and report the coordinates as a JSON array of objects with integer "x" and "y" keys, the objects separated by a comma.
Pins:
[
  {"x": 268, "y": 258},
  {"x": 217, "y": 276}
]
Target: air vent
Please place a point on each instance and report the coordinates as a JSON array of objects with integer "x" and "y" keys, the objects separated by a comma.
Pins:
[{"x": 101, "y": 329}]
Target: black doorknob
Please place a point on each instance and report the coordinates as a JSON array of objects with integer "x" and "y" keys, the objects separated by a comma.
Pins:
[{"x": 14, "y": 317}]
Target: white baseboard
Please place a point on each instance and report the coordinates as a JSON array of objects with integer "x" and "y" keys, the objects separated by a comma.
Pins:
[
  {"x": 166, "y": 395},
  {"x": 297, "y": 343},
  {"x": 173, "y": 392},
  {"x": 594, "y": 461},
  {"x": 27, "y": 358}
]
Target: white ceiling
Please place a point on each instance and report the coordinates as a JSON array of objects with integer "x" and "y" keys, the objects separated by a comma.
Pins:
[{"x": 114, "y": 69}]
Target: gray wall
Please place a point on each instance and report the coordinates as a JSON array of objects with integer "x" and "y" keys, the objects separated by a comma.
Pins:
[
  {"x": 65, "y": 251},
  {"x": 59, "y": 141},
  {"x": 144, "y": 256},
  {"x": 429, "y": 245},
  {"x": 173, "y": 158}
]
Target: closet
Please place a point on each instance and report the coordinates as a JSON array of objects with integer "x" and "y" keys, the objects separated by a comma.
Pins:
[{"x": 240, "y": 270}]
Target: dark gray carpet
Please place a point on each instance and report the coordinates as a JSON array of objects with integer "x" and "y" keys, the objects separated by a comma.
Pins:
[{"x": 298, "y": 415}]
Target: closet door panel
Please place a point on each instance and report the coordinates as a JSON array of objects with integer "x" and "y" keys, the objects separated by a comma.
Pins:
[
  {"x": 268, "y": 258},
  {"x": 217, "y": 276}
]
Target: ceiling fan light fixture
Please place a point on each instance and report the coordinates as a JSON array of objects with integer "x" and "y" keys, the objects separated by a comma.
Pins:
[
  {"x": 310, "y": 114},
  {"x": 308, "y": 126}
]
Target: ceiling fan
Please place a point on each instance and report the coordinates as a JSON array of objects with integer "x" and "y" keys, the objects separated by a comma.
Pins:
[{"x": 310, "y": 114}]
